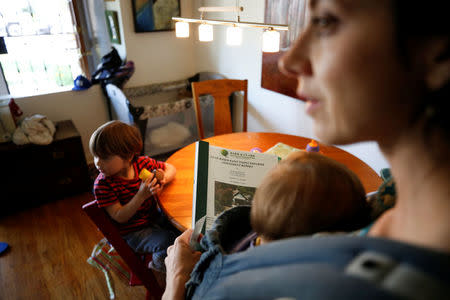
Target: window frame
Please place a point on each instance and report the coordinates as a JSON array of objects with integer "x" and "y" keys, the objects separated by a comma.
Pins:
[{"x": 76, "y": 20}]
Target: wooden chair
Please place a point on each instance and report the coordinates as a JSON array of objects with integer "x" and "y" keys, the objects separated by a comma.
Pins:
[
  {"x": 221, "y": 90},
  {"x": 140, "y": 274}
]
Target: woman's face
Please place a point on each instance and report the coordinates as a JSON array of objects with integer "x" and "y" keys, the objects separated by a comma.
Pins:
[{"x": 350, "y": 73}]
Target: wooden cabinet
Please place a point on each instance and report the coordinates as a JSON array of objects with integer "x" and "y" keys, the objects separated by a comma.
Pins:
[{"x": 35, "y": 174}]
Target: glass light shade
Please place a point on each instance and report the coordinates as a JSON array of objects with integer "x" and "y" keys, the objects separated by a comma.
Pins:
[
  {"x": 205, "y": 33},
  {"x": 182, "y": 29},
  {"x": 271, "y": 41},
  {"x": 234, "y": 36}
]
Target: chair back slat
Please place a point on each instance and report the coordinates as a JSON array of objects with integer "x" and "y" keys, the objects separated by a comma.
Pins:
[{"x": 221, "y": 90}]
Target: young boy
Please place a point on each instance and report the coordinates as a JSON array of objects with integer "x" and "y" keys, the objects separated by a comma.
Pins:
[{"x": 125, "y": 197}]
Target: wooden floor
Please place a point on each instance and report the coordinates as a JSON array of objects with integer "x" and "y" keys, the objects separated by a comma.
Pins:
[{"x": 49, "y": 246}]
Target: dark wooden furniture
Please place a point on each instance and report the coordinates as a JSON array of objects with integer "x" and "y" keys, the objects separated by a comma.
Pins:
[
  {"x": 35, "y": 174},
  {"x": 176, "y": 198},
  {"x": 140, "y": 274}
]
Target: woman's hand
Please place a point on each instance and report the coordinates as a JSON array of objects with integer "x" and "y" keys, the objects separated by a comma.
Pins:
[
  {"x": 180, "y": 262},
  {"x": 181, "y": 259}
]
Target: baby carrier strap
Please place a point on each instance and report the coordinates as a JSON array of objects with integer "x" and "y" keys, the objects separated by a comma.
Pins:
[{"x": 402, "y": 279}]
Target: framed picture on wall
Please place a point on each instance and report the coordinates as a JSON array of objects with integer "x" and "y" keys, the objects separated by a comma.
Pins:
[
  {"x": 293, "y": 13},
  {"x": 154, "y": 15},
  {"x": 112, "y": 20}
]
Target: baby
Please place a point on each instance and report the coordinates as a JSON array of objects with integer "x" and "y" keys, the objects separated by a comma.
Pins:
[{"x": 308, "y": 193}]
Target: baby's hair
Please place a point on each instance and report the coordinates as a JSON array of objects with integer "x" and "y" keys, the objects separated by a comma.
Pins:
[
  {"x": 116, "y": 138},
  {"x": 308, "y": 193}
]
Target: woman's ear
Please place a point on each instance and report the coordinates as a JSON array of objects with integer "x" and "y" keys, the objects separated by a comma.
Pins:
[{"x": 437, "y": 63}]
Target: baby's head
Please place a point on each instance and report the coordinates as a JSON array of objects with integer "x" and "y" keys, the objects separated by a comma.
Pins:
[
  {"x": 308, "y": 193},
  {"x": 116, "y": 138}
]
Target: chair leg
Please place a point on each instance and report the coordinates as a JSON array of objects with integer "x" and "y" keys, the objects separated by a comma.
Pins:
[
  {"x": 161, "y": 279},
  {"x": 148, "y": 296}
]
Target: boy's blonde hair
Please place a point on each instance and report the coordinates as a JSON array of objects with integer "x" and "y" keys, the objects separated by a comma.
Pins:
[
  {"x": 308, "y": 193},
  {"x": 116, "y": 138}
]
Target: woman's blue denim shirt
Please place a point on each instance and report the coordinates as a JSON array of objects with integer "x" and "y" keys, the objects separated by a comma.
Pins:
[{"x": 301, "y": 267}]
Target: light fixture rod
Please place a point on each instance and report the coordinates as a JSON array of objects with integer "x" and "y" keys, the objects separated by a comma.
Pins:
[
  {"x": 220, "y": 8},
  {"x": 242, "y": 24}
]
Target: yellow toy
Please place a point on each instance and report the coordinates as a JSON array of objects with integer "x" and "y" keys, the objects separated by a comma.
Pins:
[{"x": 144, "y": 174}]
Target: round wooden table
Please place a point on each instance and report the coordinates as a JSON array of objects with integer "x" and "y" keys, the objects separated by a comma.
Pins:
[{"x": 176, "y": 198}]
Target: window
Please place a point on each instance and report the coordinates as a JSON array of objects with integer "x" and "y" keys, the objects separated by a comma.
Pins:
[{"x": 44, "y": 48}]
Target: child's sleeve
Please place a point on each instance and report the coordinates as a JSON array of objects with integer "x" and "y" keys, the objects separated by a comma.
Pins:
[{"x": 152, "y": 164}]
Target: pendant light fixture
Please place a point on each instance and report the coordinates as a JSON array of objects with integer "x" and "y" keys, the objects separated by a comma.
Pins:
[
  {"x": 271, "y": 35},
  {"x": 205, "y": 33},
  {"x": 182, "y": 29},
  {"x": 271, "y": 41},
  {"x": 234, "y": 35},
  {"x": 234, "y": 32}
]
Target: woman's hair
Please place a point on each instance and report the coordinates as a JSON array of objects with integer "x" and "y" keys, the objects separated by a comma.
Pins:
[
  {"x": 308, "y": 193},
  {"x": 419, "y": 20},
  {"x": 116, "y": 138}
]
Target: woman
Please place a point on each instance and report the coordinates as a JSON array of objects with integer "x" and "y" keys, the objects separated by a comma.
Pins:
[{"x": 368, "y": 70}]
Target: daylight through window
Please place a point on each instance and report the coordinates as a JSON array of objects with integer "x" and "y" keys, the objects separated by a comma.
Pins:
[{"x": 43, "y": 49}]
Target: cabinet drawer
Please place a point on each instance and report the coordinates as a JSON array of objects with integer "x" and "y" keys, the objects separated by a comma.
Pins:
[
  {"x": 69, "y": 181},
  {"x": 69, "y": 152}
]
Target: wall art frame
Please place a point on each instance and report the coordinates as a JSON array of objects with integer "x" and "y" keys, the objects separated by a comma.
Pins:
[
  {"x": 154, "y": 15},
  {"x": 112, "y": 20}
]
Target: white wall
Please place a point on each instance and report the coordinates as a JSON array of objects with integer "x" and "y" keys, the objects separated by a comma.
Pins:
[
  {"x": 158, "y": 56},
  {"x": 268, "y": 111}
]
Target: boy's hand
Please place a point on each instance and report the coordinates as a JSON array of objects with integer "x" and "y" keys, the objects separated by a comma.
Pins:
[
  {"x": 160, "y": 176},
  {"x": 158, "y": 188},
  {"x": 148, "y": 187}
]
